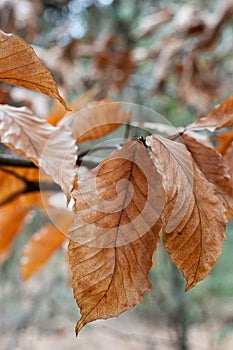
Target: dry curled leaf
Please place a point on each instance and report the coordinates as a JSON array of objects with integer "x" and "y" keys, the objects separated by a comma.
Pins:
[
  {"x": 214, "y": 167},
  {"x": 220, "y": 116},
  {"x": 51, "y": 148},
  {"x": 99, "y": 119},
  {"x": 12, "y": 216},
  {"x": 59, "y": 113},
  {"x": 179, "y": 176},
  {"x": 44, "y": 243},
  {"x": 149, "y": 24},
  {"x": 228, "y": 156},
  {"x": 21, "y": 66},
  {"x": 17, "y": 180},
  {"x": 113, "y": 63},
  {"x": 224, "y": 141},
  {"x": 195, "y": 238},
  {"x": 115, "y": 233},
  {"x": 11, "y": 186},
  {"x": 11, "y": 219}
]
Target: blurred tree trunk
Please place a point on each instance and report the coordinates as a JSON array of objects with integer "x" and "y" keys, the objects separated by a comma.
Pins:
[{"x": 179, "y": 316}]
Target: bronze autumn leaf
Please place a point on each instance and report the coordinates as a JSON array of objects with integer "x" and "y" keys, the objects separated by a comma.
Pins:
[
  {"x": 11, "y": 186},
  {"x": 115, "y": 233},
  {"x": 39, "y": 249},
  {"x": 228, "y": 158},
  {"x": 11, "y": 219},
  {"x": 214, "y": 167},
  {"x": 12, "y": 216},
  {"x": 153, "y": 21},
  {"x": 51, "y": 148},
  {"x": 194, "y": 241},
  {"x": 220, "y": 116},
  {"x": 59, "y": 115},
  {"x": 224, "y": 140},
  {"x": 44, "y": 243},
  {"x": 97, "y": 120},
  {"x": 21, "y": 66},
  {"x": 14, "y": 181}
]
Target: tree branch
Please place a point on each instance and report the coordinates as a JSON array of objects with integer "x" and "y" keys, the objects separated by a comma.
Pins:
[
  {"x": 18, "y": 161},
  {"x": 30, "y": 186},
  {"x": 15, "y": 161}
]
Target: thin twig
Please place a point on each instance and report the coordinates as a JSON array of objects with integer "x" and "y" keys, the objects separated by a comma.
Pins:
[
  {"x": 127, "y": 130},
  {"x": 98, "y": 148}
]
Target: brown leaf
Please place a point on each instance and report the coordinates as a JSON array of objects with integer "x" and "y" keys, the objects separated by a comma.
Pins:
[
  {"x": 114, "y": 64},
  {"x": 21, "y": 66},
  {"x": 43, "y": 244},
  {"x": 161, "y": 69},
  {"x": 224, "y": 141},
  {"x": 29, "y": 174},
  {"x": 214, "y": 167},
  {"x": 11, "y": 220},
  {"x": 115, "y": 233},
  {"x": 15, "y": 181},
  {"x": 196, "y": 86},
  {"x": 149, "y": 24},
  {"x": 194, "y": 236},
  {"x": 58, "y": 112},
  {"x": 12, "y": 216},
  {"x": 228, "y": 156},
  {"x": 100, "y": 119},
  {"x": 212, "y": 35},
  {"x": 10, "y": 186},
  {"x": 51, "y": 148},
  {"x": 220, "y": 116}
]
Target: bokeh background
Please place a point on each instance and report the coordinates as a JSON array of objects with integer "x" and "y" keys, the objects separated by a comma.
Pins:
[{"x": 174, "y": 57}]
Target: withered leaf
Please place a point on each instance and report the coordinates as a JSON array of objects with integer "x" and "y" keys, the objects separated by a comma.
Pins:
[
  {"x": 115, "y": 233},
  {"x": 12, "y": 216},
  {"x": 224, "y": 141},
  {"x": 228, "y": 156},
  {"x": 99, "y": 119},
  {"x": 59, "y": 113},
  {"x": 195, "y": 238},
  {"x": 214, "y": 167},
  {"x": 21, "y": 66},
  {"x": 220, "y": 116},
  {"x": 160, "y": 71},
  {"x": 150, "y": 23},
  {"x": 51, "y": 148},
  {"x": 10, "y": 186},
  {"x": 180, "y": 176},
  {"x": 43, "y": 244},
  {"x": 15, "y": 181}
]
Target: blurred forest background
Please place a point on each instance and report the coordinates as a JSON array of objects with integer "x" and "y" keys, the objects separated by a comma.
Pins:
[{"x": 174, "y": 57}]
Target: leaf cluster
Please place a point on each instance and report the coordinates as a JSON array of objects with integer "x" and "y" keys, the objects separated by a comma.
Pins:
[{"x": 177, "y": 188}]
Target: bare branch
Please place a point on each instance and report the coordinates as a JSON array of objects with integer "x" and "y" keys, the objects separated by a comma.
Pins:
[{"x": 15, "y": 161}]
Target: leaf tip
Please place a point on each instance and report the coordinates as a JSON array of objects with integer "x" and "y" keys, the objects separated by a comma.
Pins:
[
  {"x": 63, "y": 102},
  {"x": 78, "y": 327},
  {"x": 189, "y": 286},
  {"x": 76, "y": 332}
]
